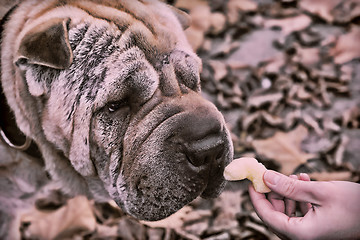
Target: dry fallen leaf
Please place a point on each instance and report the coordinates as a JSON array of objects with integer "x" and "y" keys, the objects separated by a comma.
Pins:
[
  {"x": 289, "y": 25},
  {"x": 175, "y": 221},
  {"x": 219, "y": 68},
  {"x": 308, "y": 56},
  {"x": 130, "y": 228},
  {"x": 106, "y": 232},
  {"x": 200, "y": 23},
  {"x": 352, "y": 150},
  {"x": 331, "y": 176},
  {"x": 75, "y": 216},
  {"x": 285, "y": 148},
  {"x": 259, "y": 100},
  {"x": 351, "y": 117},
  {"x": 347, "y": 46},
  {"x": 218, "y": 23},
  {"x": 200, "y": 18},
  {"x": 322, "y": 8},
  {"x": 346, "y": 11},
  {"x": 230, "y": 202},
  {"x": 186, "y": 4},
  {"x": 274, "y": 65},
  {"x": 195, "y": 37},
  {"x": 250, "y": 54},
  {"x": 236, "y": 6}
]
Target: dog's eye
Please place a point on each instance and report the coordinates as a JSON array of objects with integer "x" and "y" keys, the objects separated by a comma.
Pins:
[{"x": 114, "y": 106}]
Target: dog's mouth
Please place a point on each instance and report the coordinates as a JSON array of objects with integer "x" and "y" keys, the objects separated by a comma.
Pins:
[
  {"x": 154, "y": 192},
  {"x": 181, "y": 156}
]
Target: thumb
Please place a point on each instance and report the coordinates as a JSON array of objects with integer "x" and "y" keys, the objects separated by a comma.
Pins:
[{"x": 302, "y": 191}]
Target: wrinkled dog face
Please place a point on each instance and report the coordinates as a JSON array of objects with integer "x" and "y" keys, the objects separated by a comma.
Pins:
[{"x": 119, "y": 95}]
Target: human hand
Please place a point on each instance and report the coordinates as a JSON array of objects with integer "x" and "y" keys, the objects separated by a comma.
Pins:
[{"x": 331, "y": 210}]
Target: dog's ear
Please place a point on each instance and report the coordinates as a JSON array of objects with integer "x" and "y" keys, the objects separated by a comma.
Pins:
[
  {"x": 47, "y": 44},
  {"x": 183, "y": 17}
]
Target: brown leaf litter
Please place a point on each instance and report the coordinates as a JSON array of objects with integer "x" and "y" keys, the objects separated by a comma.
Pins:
[{"x": 285, "y": 74}]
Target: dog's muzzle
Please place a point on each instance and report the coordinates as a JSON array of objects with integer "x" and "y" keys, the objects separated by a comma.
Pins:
[{"x": 181, "y": 155}]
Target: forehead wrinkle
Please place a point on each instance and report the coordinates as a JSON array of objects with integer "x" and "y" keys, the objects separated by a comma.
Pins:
[
  {"x": 126, "y": 16},
  {"x": 153, "y": 35},
  {"x": 153, "y": 45},
  {"x": 132, "y": 11}
]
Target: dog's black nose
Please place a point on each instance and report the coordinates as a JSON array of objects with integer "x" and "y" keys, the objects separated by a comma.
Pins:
[
  {"x": 202, "y": 134},
  {"x": 205, "y": 151}
]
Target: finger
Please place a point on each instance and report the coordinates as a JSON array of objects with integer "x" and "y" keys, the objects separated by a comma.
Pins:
[
  {"x": 302, "y": 191},
  {"x": 277, "y": 201},
  {"x": 290, "y": 205},
  {"x": 304, "y": 177},
  {"x": 259, "y": 200},
  {"x": 304, "y": 206},
  {"x": 276, "y": 220}
]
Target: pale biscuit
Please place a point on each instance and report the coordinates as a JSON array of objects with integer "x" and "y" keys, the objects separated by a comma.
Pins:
[{"x": 249, "y": 168}]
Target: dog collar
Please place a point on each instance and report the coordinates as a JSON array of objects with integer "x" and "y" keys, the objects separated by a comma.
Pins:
[{"x": 10, "y": 134}]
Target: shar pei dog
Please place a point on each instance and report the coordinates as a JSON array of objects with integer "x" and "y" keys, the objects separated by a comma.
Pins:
[{"x": 108, "y": 95}]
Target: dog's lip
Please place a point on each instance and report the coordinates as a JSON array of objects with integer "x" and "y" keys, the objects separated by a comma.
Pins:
[
  {"x": 215, "y": 184},
  {"x": 216, "y": 181},
  {"x": 211, "y": 191}
]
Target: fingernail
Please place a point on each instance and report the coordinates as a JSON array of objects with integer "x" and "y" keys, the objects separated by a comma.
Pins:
[
  {"x": 304, "y": 177},
  {"x": 271, "y": 177}
]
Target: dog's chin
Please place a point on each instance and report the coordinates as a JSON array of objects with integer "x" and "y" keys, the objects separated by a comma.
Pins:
[
  {"x": 149, "y": 210},
  {"x": 153, "y": 212},
  {"x": 154, "y": 207},
  {"x": 154, "y": 199}
]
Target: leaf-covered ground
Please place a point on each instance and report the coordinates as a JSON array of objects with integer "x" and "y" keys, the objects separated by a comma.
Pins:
[{"x": 286, "y": 76}]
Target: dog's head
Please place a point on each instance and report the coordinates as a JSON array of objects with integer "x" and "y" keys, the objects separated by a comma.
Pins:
[{"x": 116, "y": 88}]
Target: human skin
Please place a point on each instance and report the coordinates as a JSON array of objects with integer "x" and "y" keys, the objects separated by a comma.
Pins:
[{"x": 330, "y": 210}]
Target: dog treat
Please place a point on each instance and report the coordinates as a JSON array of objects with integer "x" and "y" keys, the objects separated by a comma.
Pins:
[{"x": 249, "y": 168}]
